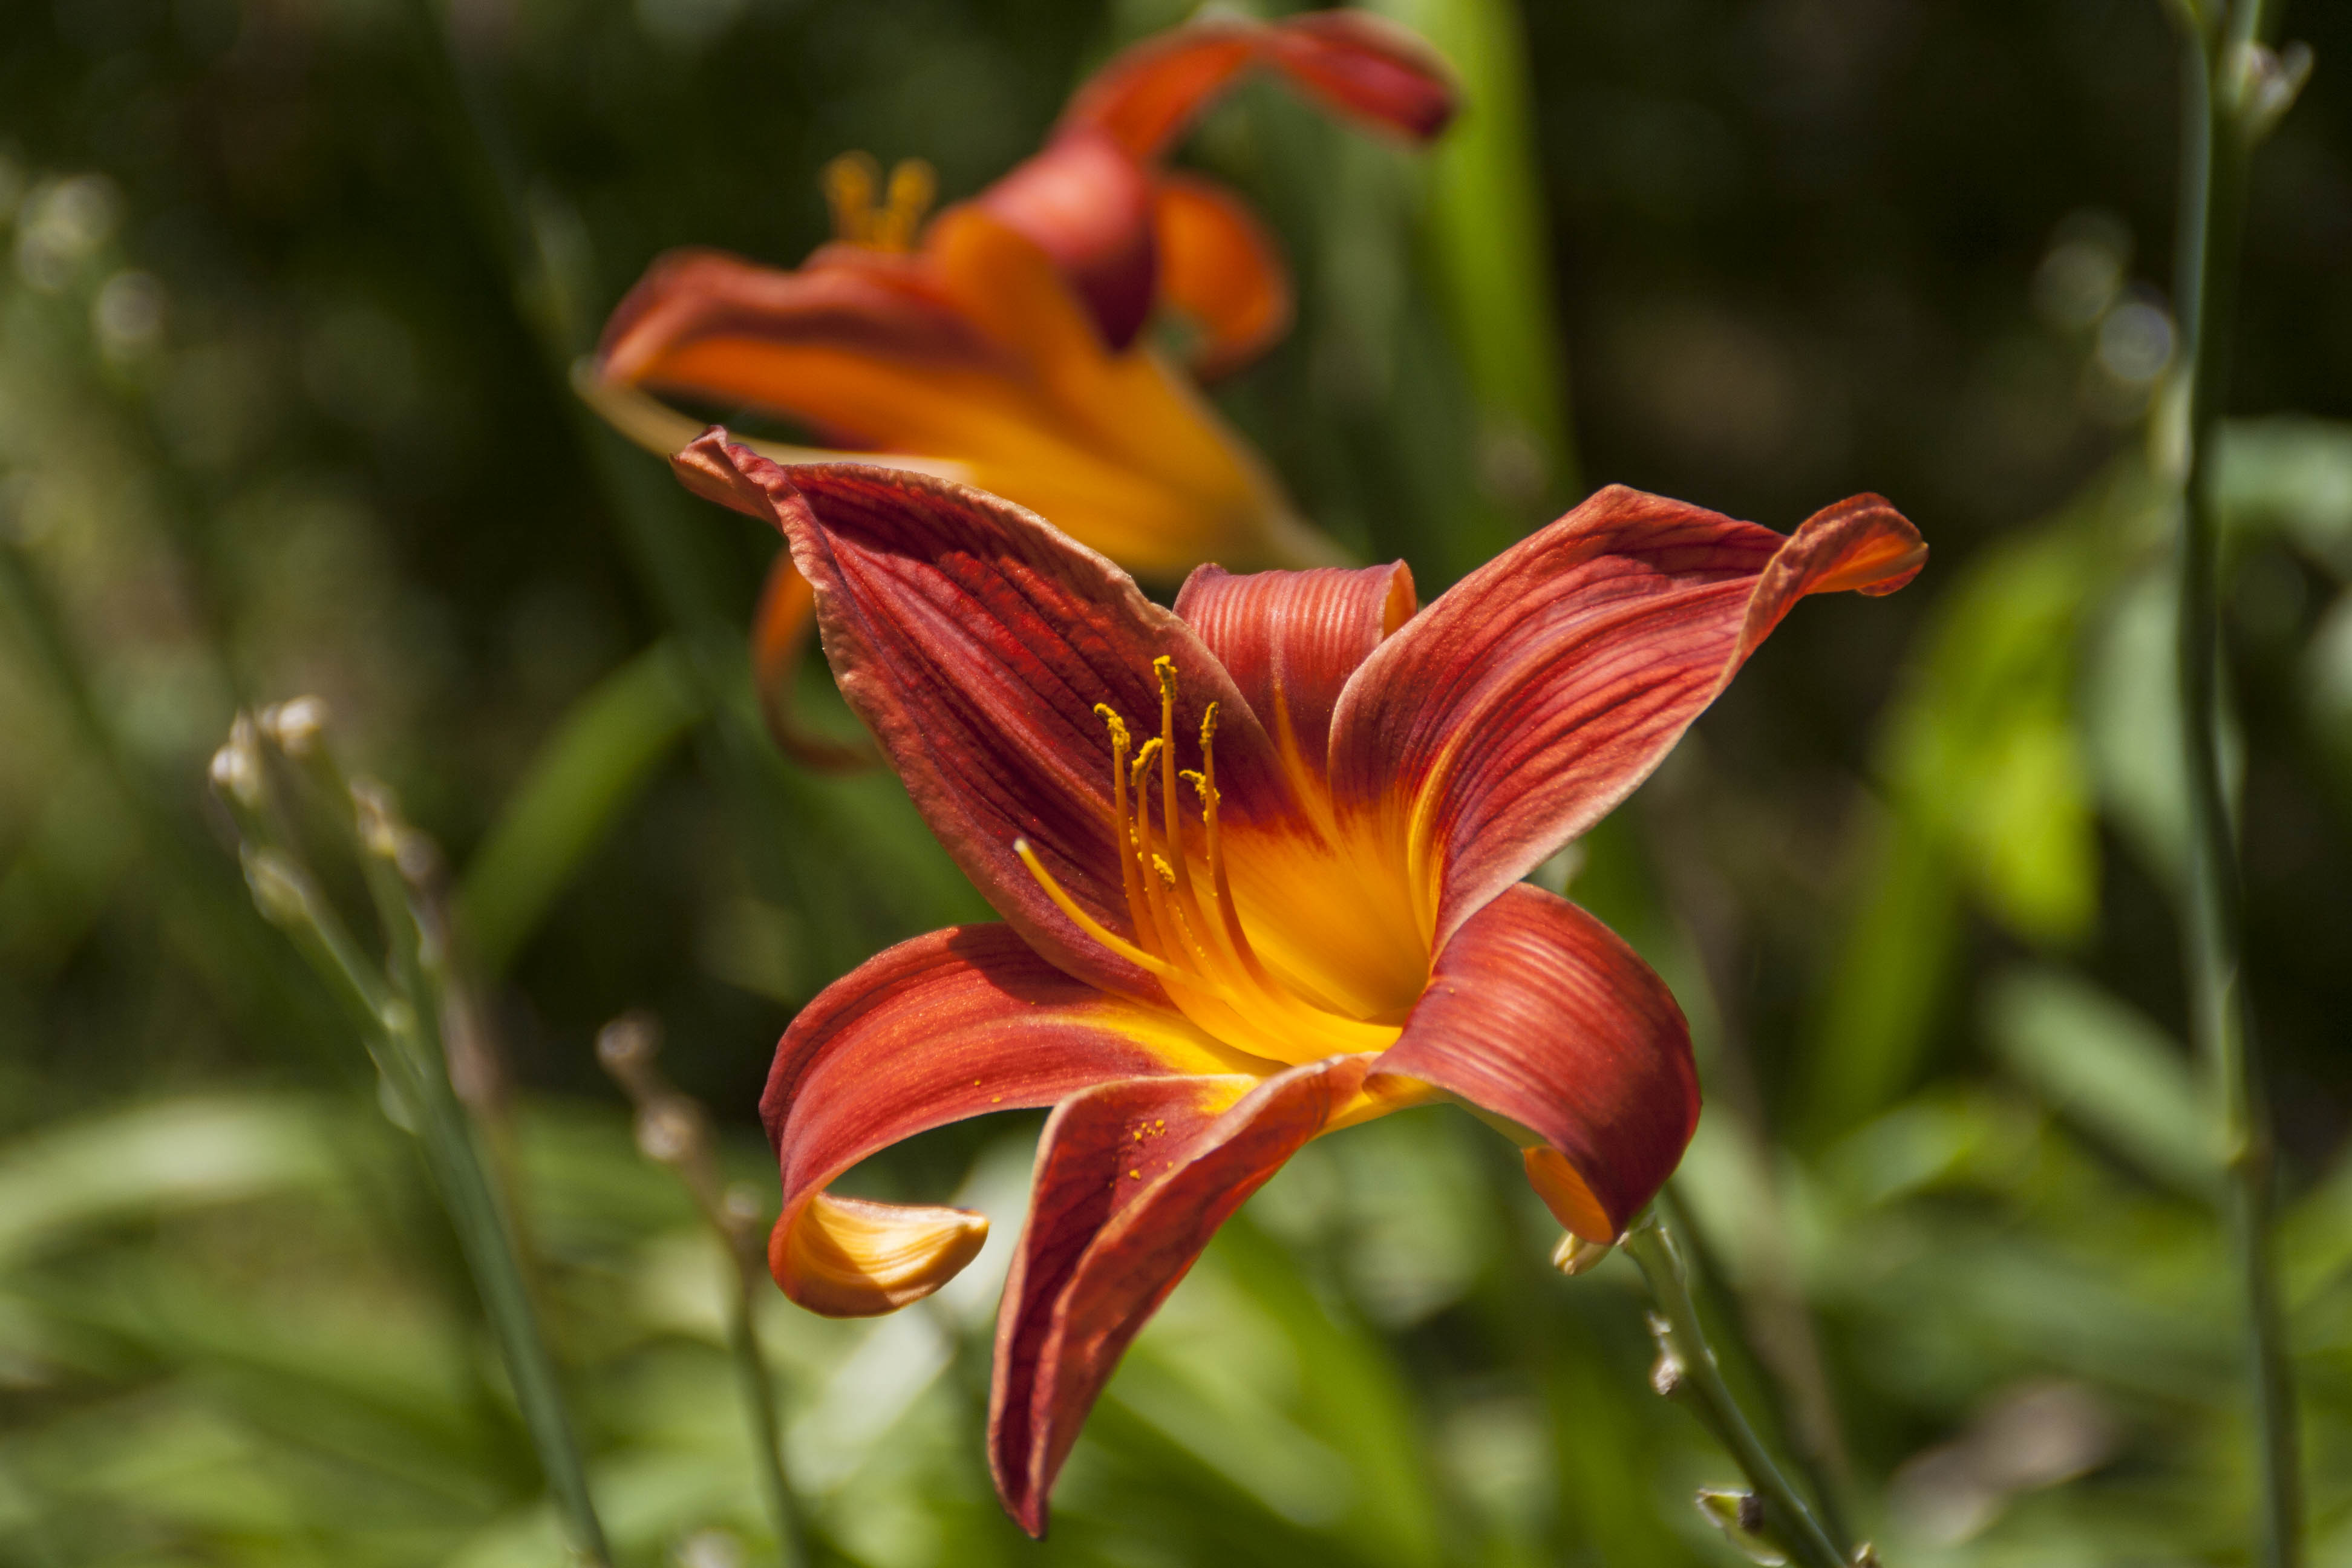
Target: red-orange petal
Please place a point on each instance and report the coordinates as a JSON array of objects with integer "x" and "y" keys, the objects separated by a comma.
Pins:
[
  {"x": 1291, "y": 640},
  {"x": 1516, "y": 711},
  {"x": 1364, "y": 69},
  {"x": 1540, "y": 1013},
  {"x": 1090, "y": 206},
  {"x": 953, "y": 1024},
  {"x": 1220, "y": 271},
  {"x": 700, "y": 322},
  {"x": 1133, "y": 1181},
  {"x": 1149, "y": 93},
  {"x": 976, "y": 642}
]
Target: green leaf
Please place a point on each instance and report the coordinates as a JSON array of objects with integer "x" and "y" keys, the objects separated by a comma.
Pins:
[
  {"x": 588, "y": 773},
  {"x": 2290, "y": 476},
  {"x": 2108, "y": 1069},
  {"x": 153, "y": 1159},
  {"x": 1491, "y": 256}
]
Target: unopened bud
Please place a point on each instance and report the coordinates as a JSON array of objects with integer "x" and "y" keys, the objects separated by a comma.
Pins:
[
  {"x": 237, "y": 766},
  {"x": 628, "y": 1042},
  {"x": 1575, "y": 1256},
  {"x": 377, "y": 815},
  {"x": 279, "y": 890},
  {"x": 2267, "y": 82},
  {"x": 667, "y": 1131},
  {"x": 297, "y": 725},
  {"x": 1740, "y": 1516},
  {"x": 745, "y": 1204}
]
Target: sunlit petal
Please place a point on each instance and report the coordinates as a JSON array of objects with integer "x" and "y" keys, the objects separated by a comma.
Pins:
[{"x": 1513, "y": 713}]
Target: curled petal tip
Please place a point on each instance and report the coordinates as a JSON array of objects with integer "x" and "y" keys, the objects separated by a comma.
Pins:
[
  {"x": 853, "y": 1258},
  {"x": 1862, "y": 545}
]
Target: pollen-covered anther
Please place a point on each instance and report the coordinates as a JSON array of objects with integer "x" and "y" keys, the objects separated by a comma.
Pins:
[
  {"x": 1187, "y": 928},
  {"x": 852, "y": 182}
]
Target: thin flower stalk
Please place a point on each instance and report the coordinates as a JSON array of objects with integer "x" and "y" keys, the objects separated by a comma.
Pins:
[
  {"x": 1687, "y": 1373},
  {"x": 673, "y": 1129},
  {"x": 2234, "y": 89},
  {"x": 401, "y": 1007}
]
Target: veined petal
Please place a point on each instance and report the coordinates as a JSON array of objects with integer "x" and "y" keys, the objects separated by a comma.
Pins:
[
  {"x": 781, "y": 625},
  {"x": 1219, "y": 270},
  {"x": 1133, "y": 1181},
  {"x": 1540, "y": 1014},
  {"x": 1088, "y": 205},
  {"x": 948, "y": 1026},
  {"x": 1365, "y": 69},
  {"x": 1291, "y": 640},
  {"x": 1513, "y": 712},
  {"x": 977, "y": 642}
]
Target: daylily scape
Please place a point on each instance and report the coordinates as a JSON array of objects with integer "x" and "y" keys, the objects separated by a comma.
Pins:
[
  {"x": 1007, "y": 343},
  {"x": 1258, "y": 860}
]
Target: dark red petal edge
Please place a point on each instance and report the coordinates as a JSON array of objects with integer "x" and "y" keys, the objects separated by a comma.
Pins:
[
  {"x": 1541, "y": 1014},
  {"x": 1133, "y": 1181}
]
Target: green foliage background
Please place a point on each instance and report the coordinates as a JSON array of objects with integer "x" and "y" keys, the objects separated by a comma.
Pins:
[{"x": 289, "y": 290}]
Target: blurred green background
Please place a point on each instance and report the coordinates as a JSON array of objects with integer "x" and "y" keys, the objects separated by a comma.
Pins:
[{"x": 289, "y": 290}]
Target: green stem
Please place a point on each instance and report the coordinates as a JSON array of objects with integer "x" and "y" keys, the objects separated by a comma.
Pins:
[
  {"x": 1697, "y": 1383},
  {"x": 760, "y": 1408},
  {"x": 484, "y": 1228},
  {"x": 2215, "y": 154}
]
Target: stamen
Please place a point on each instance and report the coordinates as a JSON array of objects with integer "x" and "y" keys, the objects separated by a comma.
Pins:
[
  {"x": 849, "y": 183},
  {"x": 1203, "y": 956},
  {"x": 1086, "y": 922},
  {"x": 912, "y": 186},
  {"x": 1171, "y": 815},
  {"x": 852, "y": 182}
]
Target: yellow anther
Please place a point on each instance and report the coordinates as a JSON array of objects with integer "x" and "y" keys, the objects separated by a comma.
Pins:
[
  {"x": 1201, "y": 787},
  {"x": 1167, "y": 872},
  {"x": 1109, "y": 715},
  {"x": 852, "y": 182},
  {"x": 849, "y": 183},
  {"x": 1165, "y": 668},
  {"x": 1208, "y": 725},
  {"x": 912, "y": 186},
  {"x": 1143, "y": 759}
]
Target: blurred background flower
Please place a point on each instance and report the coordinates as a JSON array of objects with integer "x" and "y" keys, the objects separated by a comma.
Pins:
[{"x": 288, "y": 286}]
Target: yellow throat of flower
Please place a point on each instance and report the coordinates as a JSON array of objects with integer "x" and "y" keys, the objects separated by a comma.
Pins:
[
  {"x": 851, "y": 183},
  {"x": 1188, "y": 929}
]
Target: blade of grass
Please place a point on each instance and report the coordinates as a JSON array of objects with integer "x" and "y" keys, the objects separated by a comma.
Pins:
[{"x": 585, "y": 776}]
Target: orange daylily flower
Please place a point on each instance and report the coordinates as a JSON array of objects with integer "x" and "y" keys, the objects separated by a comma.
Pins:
[
  {"x": 1004, "y": 343},
  {"x": 1258, "y": 860}
]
